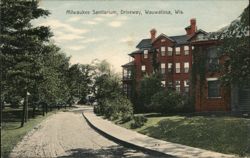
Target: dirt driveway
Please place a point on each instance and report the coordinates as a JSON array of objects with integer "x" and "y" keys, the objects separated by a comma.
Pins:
[{"x": 67, "y": 134}]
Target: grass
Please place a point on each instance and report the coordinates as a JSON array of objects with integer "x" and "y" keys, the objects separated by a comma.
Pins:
[
  {"x": 226, "y": 134},
  {"x": 11, "y": 132}
]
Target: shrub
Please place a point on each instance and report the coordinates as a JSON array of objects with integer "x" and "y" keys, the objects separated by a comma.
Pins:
[
  {"x": 118, "y": 107},
  {"x": 167, "y": 102},
  {"x": 97, "y": 109},
  {"x": 138, "y": 121}
]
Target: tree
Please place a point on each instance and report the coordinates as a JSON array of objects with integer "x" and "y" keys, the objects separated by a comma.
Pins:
[
  {"x": 80, "y": 81},
  {"x": 236, "y": 47},
  {"x": 106, "y": 82},
  {"x": 21, "y": 45},
  {"x": 148, "y": 87}
]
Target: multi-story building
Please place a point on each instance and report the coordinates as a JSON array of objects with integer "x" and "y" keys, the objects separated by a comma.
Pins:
[{"x": 174, "y": 56}]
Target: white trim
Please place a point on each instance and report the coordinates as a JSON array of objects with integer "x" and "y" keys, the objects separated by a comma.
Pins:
[{"x": 212, "y": 79}]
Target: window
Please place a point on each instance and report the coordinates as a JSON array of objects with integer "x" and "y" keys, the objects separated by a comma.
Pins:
[
  {"x": 186, "y": 67},
  {"x": 143, "y": 68},
  {"x": 170, "y": 84},
  {"x": 125, "y": 88},
  {"x": 163, "y": 40},
  {"x": 163, "y": 83},
  {"x": 177, "y": 51},
  {"x": 213, "y": 88},
  {"x": 213, "y": 60},
  {"x": 163, "y": 67},
  {"x": 163, "y": 51},
  {"x": 177, "y": 67},
  {"x": 186, "y": 50},
  {"x": 186, "y": 86},
  {"x": 170, "y": 51},
  {"x": 192, "y": 47},
  {"x": 178, "y": 86},
  {"x": 170, "y": 68},
  {"x": 145, "y": 53}
]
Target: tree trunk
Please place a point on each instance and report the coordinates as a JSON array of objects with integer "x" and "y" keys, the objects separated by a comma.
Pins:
[
  {"x": 46, "y": 108},
  {"x": 24, "y": 114},
  {"x": 34, "y": 111},
  {"x": 43, "y": 109},
  {"x": 27, "y": 108}
]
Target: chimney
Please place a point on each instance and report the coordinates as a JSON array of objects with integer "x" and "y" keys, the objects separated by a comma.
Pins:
[
  {"x": 193, "y": 26},
  {"x": 191, "y": 29},
  {"x": 153, "y": 34}
]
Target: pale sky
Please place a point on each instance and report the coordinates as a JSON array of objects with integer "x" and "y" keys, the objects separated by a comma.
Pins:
[{"x": 113, "y": 37}]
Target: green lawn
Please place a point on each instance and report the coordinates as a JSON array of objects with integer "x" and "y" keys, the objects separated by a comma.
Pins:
[
  {"x": 225, "y": 134},
  {"x": 11, "y": 132}
]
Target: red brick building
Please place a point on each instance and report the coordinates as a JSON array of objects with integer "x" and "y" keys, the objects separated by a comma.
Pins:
[{"x": 175, "y": 55}]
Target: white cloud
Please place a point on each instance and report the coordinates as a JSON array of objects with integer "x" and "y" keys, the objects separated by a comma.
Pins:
[
  {"x": 60, "y": 36},
  {"x": 76, "y": 47},
  {"x": 115, "y": 23},
  {"x": 91, "y": 40},
  {"x": 91, "y": 22},
  {"x": 98, "y": 19},
  {"x": 56, "y": 24},
  {"x": 73, "y": 19}
]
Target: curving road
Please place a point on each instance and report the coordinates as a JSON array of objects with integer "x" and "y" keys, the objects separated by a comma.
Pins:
[{"x": 67, "y": 134}]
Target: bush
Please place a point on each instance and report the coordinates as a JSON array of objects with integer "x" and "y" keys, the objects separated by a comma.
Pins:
[
  {"x": 118, "y": 107},
  {"x": 138, "y": 121},
  {"x": 168, "y": 102}
]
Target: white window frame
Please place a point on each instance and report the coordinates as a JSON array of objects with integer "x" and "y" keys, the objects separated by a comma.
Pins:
[
  {"x": 143, "y": 68},
  {"x": 163, "y": 40},
  {"x": 178, "y": 86},
  {"x": 177, "y": 50},
  {"x": 163, "y": 68},
  {"x": 145, "y": 53},
  {"x": 163, "y": 51},
  {"x": 178, "y": 68},
  {"x": 186, "y": 67},
  {"x": 163, "y": 83},
  {"x": 170, "y": 51},
  {"x": 186, "y": 85},
  {"x": 170, "y": 67},
  {"x": 212, "y": 79},
  {"x": 186, "y": 50}
]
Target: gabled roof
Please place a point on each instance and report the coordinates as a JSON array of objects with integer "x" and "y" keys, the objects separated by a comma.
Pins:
[
  {"x": 145, "y": 43},
  {"x": 163, "y": 35},
  {"x": 196, "y": 33}
]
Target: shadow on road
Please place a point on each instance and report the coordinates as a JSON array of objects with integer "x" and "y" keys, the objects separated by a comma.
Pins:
[{"x": 111, "y": 152}]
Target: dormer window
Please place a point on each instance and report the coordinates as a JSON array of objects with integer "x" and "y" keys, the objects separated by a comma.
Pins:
[
  {"x": 145, "y": 53},
  {"x": 200, "y": 37},
  {"x": 163, "y": 51},
  {"x": 177, "y": 50},
  {"x": 170, "y": 51},
  {"x": 186, "y": 50}
]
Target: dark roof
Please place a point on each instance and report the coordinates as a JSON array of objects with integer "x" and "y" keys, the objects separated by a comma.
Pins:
[
  {"x": 145, "y": 43},
  {"x": 182, "y": 39},
  {"x": 128, "y": 64}
]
